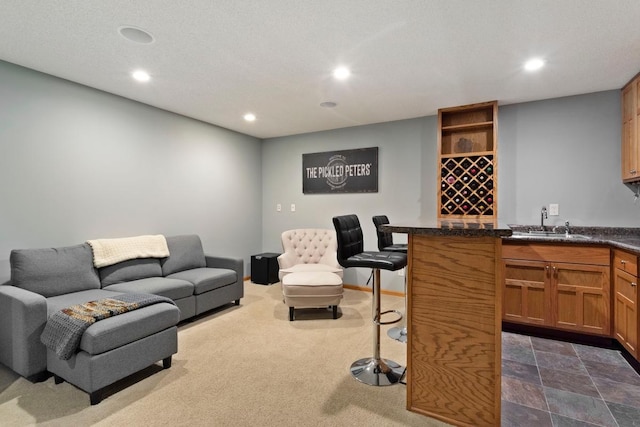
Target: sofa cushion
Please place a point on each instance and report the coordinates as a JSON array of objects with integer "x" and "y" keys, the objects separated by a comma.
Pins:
[
  {"x": 54, "y": 271},
  {"x": 174, "y": 289},
  {"x": 206, "y": 279},
  {"x": 126, "y": 328},
  {"x": 185, "y": 252},
  {"x": 132, "y": 269}
]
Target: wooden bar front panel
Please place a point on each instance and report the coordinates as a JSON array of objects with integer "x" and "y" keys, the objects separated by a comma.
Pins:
[{"x": 454, "y": 316}]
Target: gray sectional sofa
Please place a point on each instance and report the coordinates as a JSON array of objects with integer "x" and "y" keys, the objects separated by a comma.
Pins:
[{"x": 43, "y": 281}]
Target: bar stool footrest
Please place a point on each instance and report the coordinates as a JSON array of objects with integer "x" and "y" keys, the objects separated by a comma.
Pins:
[
  {"x": 398, "y": 334},
  {"x": 390, "y": 322}
]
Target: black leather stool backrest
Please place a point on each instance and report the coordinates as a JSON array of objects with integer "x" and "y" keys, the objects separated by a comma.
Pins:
[
  {"x": 384, "y": 239},
  {"x": 351, "y": 251},
  {"x": 349, "y": 236}
]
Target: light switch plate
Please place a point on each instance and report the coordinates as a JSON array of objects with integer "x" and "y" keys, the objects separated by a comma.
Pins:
[
  {"x": 554, "y": 209},
  {"x": 279, "y": 207},
  {"x": 293, "y": 207}
]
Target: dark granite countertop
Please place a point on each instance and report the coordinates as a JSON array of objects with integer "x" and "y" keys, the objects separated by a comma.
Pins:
[
  {"x": 452, "y": 227},
  {"x": 626, "y": 238}
]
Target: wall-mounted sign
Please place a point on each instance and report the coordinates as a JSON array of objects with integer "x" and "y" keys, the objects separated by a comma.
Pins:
[{"x": 347, "y": 171}]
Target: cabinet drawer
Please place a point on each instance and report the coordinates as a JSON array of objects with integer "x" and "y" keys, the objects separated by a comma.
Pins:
[
  {"x": 625, "y": 261},
  {"x": 556, "y": 253}
]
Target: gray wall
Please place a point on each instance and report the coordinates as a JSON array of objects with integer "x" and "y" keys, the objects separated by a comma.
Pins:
[
  {"x": 78, "y": 164},
  {"x": 564, "y": 151},
  {"x": 403, "y": 148}
]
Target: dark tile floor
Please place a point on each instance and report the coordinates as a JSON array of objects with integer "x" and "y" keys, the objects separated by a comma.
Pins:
[{"x": 554, "y": 383}]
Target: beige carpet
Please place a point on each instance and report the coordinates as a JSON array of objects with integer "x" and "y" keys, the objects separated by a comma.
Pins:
[{"x": 241, "y": 366}]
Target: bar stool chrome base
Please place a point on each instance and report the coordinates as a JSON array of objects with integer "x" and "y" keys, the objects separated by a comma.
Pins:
[
  {"x": 377, "y": 372},
  {"x": 398, "y": 334}
]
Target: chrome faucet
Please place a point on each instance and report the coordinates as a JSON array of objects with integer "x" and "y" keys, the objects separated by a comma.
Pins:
[
  {"x": 567, "y": 230},
  {"x": 543, "y": 216}
]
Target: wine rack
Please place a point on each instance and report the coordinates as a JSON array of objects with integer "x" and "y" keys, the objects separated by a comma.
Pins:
[
  {"x": 466, "y": 186},
  {"x": 467, "y": 144}
]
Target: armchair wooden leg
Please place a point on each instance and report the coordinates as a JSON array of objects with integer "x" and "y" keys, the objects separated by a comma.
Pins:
[
  {"x": 335, "y": 311},
  {"x": 290, "y": 314}
]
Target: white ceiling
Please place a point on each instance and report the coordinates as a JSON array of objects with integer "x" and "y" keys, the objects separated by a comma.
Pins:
[{"x": 215, "y": 60}]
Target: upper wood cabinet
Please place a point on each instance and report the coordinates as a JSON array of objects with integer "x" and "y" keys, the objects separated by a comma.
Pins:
[
  {"x": 630, "y": 132},
  {"x": 467, "y": 146}
]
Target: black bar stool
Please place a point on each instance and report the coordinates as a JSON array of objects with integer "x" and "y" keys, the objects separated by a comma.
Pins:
[
  {"x": 371, "y": 370},
  {"x": 385, "y": 243}
]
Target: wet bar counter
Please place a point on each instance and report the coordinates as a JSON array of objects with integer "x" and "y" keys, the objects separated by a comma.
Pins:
[{"x": 454, "y": 320}]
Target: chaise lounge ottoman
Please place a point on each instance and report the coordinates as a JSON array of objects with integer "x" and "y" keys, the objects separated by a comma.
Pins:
[{"x": 115, "y": 347}]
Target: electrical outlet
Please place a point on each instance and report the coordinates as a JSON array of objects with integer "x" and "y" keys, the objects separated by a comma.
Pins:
[
  {"x": 554, "y": 209},
  {"x": 279, "y": 207},
  {"x": 293, "y": 207}
]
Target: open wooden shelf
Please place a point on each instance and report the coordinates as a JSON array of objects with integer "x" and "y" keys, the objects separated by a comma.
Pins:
[{"x": 467, "y": 146}]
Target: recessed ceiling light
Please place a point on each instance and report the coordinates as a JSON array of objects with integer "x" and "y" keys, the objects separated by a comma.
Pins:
[
  {"x": 141, "y": 76},
  {"x": 534, "y": 64},
  {"x": 328, "y": 104},
  {"x": 136, "y": 35},
  {"x": 341, "y": 73},
  {"x": 250, "y": 117}
]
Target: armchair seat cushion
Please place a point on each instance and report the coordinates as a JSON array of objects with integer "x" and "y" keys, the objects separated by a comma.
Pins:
[{"x": 311, "y": 268}]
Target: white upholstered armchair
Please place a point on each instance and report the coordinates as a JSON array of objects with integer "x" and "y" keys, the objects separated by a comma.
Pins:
[
  {"x": 309, "y": 270},
  {"x": 309, "y": 250}
]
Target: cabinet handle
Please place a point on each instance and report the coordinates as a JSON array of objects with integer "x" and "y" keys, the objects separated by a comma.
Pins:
[
  {"x": 623, "y": 262},
  {"x": 632, "y": 171},
  {"x": 634, "y": 284}
]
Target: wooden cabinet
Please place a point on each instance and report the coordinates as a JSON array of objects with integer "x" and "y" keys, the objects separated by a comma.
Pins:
[
  {"x": 630, "y": 131},
  {"x": 467, "y": 147},
  {"x": 559, "y": 286},
  {"x": 625, "y": 279},
  {"x": 526, "y": 292}
]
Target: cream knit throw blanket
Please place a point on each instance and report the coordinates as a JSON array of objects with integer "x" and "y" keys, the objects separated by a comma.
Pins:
[{"x": 112, "y": 251}]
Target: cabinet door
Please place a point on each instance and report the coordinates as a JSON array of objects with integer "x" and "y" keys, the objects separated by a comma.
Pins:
[
  {"x": 581, "y": 300},
  {"x": 629, "y": 145},
  {"x": 526, "y": 292},
  {"x": 626, "y": 317}
]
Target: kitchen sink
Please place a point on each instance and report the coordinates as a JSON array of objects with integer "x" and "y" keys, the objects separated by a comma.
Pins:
[{"x": 549, "y": 235}]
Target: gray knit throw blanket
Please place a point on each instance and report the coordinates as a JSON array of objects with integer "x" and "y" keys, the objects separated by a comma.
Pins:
[{"x": 64, "y": 329}]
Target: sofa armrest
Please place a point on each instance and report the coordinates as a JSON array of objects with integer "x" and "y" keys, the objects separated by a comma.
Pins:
[
  {"x": 223, "y": 262},
  {"x": 23, "y": 315}
]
